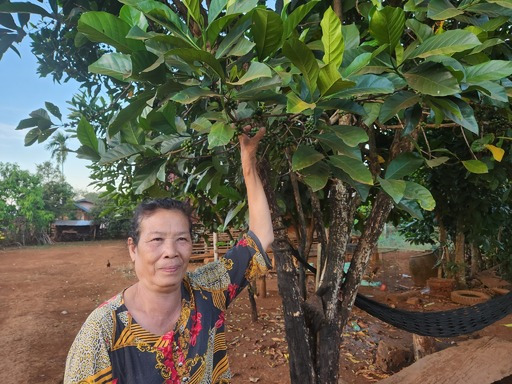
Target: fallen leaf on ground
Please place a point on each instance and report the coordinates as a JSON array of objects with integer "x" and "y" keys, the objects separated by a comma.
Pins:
[{"x": 254, "y": 379}]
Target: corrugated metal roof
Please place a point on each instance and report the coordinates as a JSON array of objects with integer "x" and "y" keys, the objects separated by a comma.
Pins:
[{"x": 74, "y": 223}]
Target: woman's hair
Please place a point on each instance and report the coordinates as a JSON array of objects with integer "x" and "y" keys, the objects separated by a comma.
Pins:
[{"x": 148, "y": 207}]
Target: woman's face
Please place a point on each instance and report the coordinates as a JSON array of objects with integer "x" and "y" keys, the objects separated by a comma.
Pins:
[{"x": 161, "y": 257}]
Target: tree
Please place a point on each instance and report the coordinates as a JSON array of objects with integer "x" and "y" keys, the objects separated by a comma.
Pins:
[
  {"x": 22, "y": 213},
  {"x": 59, "y": 150},
  {"x": 344, "y": 93},
  {"x": 57, "y": 193}
]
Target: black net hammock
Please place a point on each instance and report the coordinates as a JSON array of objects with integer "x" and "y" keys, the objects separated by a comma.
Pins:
[{"x": 450, "y": 323}]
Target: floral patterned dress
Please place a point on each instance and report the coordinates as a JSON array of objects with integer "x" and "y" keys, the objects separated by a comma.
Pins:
[{"x": 112, "y": 348}]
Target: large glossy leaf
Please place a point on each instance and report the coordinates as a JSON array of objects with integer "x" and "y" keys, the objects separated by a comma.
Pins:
[
  {"x": 296, "y": 17},
  {"x": 332, "y": 39},
  {"x": 213, "y": 31},
  {"x": 387, "y": 26},
  {"x": 367, "y": 85},
  {"x": 316, "y": 176},
  {"x": 412, "y": 116},
  {"x": 396, "y": 103},
  {"x": 394, "y": 188},
  {"x": 121, "y": 151},
  {"x": 355, "y": 169},
  {"x": 128, "y": 113},
  {"x": 456, "y": 110},
  {"x": 241, "y": 48},
  {"x": 103, "y": 27},
  {"x": 305, "y": 156},
  {"x": 134, "y": 17},
  {"x": 352, "y": 136},
  {"x": 488, "y": 71},
  {"x": 146, "y": 176},
  {"x": 241, "y": 6},
  {"x": 296, "y": 105},
  {"x": 248, "y": 91},
  {"x": 330, "y": 81},
  {"x": 491, "y": 89},
  {"x": 193, "y": 8},
  {"x": 415, "y": 191},
  {"x": 432, "y": 79},
  {"x": 256, "y": 71},
  {"x": 358, "y": 63},
  {"x": 267, "y": 29},
  {"x": 337, "y": 145},
  {"x": 302, "y": 57},
  {"x": 446, "y": 43},
  {"x": 454, "y": 66},
  {"x": 403, "y": 165},
  {"x": 216, "y": 7},
  {"x": 442, "y": 10},
  {"x": 232, "y": 213},
  {"x": 191, "y": 55},
  {"x": 86, "y": 135},
  {"x": 191, "y": 94},
  {"x": 172, "y": 143},
  {"x": 23, "y": 7},
  {"x": 220, "y": 134},
  {"x": 422, "y": 31},
  {"x": 475, "y": 166},
  {"x": 233, "y": 36},
  {"x": 116, "y": 65}
]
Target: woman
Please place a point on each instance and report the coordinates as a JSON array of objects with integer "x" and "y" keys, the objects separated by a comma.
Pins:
[{"x": 169, "y": 326}]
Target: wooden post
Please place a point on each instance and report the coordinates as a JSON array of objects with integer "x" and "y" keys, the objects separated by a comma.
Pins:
[
  {"x": 215, "y": 250},
  {"x": 423, "y": 346},
  {"x": 261, "y": 287}
]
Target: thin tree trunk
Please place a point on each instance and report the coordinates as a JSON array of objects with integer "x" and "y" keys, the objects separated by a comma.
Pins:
[
  {"x": 475, "y": 259},
  {"x": 459, "y": 256},
  {"x": 252, "y": 300},
  {"x": 297, "y": 333}
]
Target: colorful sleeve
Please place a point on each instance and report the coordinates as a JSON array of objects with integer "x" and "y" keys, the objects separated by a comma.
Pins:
[
  {"x": 245, "y": 262},
  {"x": 88, "y": 359}
]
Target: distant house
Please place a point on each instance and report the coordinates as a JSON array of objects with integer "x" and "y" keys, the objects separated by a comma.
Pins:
[{"x": 82, "y": 228}]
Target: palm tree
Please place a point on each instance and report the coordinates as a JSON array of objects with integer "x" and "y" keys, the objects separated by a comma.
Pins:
[{"x": 59, "y": 149}]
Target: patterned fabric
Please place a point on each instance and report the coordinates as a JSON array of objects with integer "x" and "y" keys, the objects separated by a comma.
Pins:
[{"x": 112, "y": 348}]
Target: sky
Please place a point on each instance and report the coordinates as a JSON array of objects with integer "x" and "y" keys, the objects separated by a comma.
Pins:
[{"x": 21, "y": 92}]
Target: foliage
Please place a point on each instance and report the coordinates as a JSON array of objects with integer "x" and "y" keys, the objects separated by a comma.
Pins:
[
  {"x": 57, "y": 193},
  {"x": 113, "y": 217},
  {"x": 23, "y": 217}
]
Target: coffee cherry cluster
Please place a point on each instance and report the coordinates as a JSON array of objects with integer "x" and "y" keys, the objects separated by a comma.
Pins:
[
  {"x": 309, "y": 127},
  {"x": 285, "y": 143},
  {"x": 187, "y": 145},
  {"x": 231, "y": 104}
]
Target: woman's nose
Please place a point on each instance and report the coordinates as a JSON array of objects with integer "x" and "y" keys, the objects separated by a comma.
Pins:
[{"x": 170, "y": 249}]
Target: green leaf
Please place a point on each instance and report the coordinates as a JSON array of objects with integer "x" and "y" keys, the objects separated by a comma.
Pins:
[
  {"x": 220, "y": 134},
  {"x": 191, "y": 94},
  {"x": 358, "y": 63},
  {"x": 241, "y": 6},
  {"x": 316, "y": 176},
  {"x": 296, "y": 17},
  {"x": 415, "y": 191},
  {"x": 412, "y": 117},
  {"x": 403, "y": 165},
  {"x": 336, "y": 144},
  {"x": 296, "y": 105},
  {"x": 442, "y": 10},
  {"x": 190, "y": 55},
  {"x": 304, "y": 157},
  {"x": 367, "y": 85},
  {"x": 491, "y": 89},
  {"x": 422, "y": 31},
  {"x": 475, "y": 166},
  {"x": 412, "y": 208},
  {"x": 394, "y": 188},
  {"x": 489, "y": 71},
  {"x": 436, "y": 161},
  {"x": 330, "y": 81},
  {"x": 233, "y": 37},
  {"x": 232, "y": 213},
  {"x": 248, "y": 91},
  {"x": 432, "y": 79},
  {"x": 128, "y": 113},
  {"x": 32, "y": 136},
  {"x": 86, "y": 134},
  {"x": 53, "y": 109},
  {"x": 116, "y": 65},
  {"x": 454, "y": 66},
  {"x": 23, "y": 7},
  {"x": 302, "y": 57},
  {"x": 121, "y": 151},
  {"x": 387, "y": 26},
  {"x": 27, "y": 123},
  {"x": 241, "y": 48},
  {"x": 267, "y": 29},
  {"x": 458, "y": 111},
  {"x": 193, "y": 10},
  {"x": 397, "y": 103},
  {"x": 352, "y": 136},
  {"x": 256, "y": 71},
  {"x": 354, "y": 168},
  {"x": 332, "y": 38},
  {"x": 172, "y": 143},
  {"x": 134, "y": 17},
  {"x": 103, "y": 27},
  {"x": 146, "y": 176},
  {"x": 216, "y": 7},
  {"x": 446, "y": 43}
]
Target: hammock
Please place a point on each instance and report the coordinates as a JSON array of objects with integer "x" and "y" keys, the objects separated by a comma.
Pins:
[{"x": 450, "y": 323}]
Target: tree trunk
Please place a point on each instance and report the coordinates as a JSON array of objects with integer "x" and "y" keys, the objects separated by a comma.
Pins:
[
  {"x": 475, "y": 259},
  {"x": 297, "y": 333},
  {"x": 252, "y": 300},
  {"x": 459, "y": 256}
]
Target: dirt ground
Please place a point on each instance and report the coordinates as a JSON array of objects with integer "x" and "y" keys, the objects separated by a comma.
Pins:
[{"x": 47, "y": 292}]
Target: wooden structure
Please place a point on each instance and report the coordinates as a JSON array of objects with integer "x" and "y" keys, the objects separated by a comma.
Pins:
[{"x": 66, "y": 230}]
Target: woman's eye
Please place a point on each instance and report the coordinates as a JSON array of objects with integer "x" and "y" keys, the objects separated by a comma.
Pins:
[
  {"x": 157, "y": 239},
  {"x": 182, "y": 239}
]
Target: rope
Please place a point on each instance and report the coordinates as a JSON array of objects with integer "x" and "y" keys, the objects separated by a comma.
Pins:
[{"x": 450, "y": 323}]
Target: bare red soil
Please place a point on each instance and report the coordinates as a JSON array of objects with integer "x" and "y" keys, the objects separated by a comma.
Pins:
[{"x": 47, "y": 292}]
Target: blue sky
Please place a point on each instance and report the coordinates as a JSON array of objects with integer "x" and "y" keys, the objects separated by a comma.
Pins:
[{"x": 21, "y": 92}]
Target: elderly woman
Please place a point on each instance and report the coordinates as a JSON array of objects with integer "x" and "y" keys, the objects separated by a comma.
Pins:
[{"x": 169, "y": 326}]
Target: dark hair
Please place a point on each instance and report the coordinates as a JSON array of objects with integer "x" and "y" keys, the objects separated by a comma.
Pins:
[{"x": 148, "y": 207}]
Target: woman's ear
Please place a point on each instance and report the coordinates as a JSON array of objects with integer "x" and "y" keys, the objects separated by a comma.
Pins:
[{"x": 132, "y": 248}]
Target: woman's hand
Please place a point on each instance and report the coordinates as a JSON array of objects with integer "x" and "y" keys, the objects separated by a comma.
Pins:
[{"x": 249, "y": 145}]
